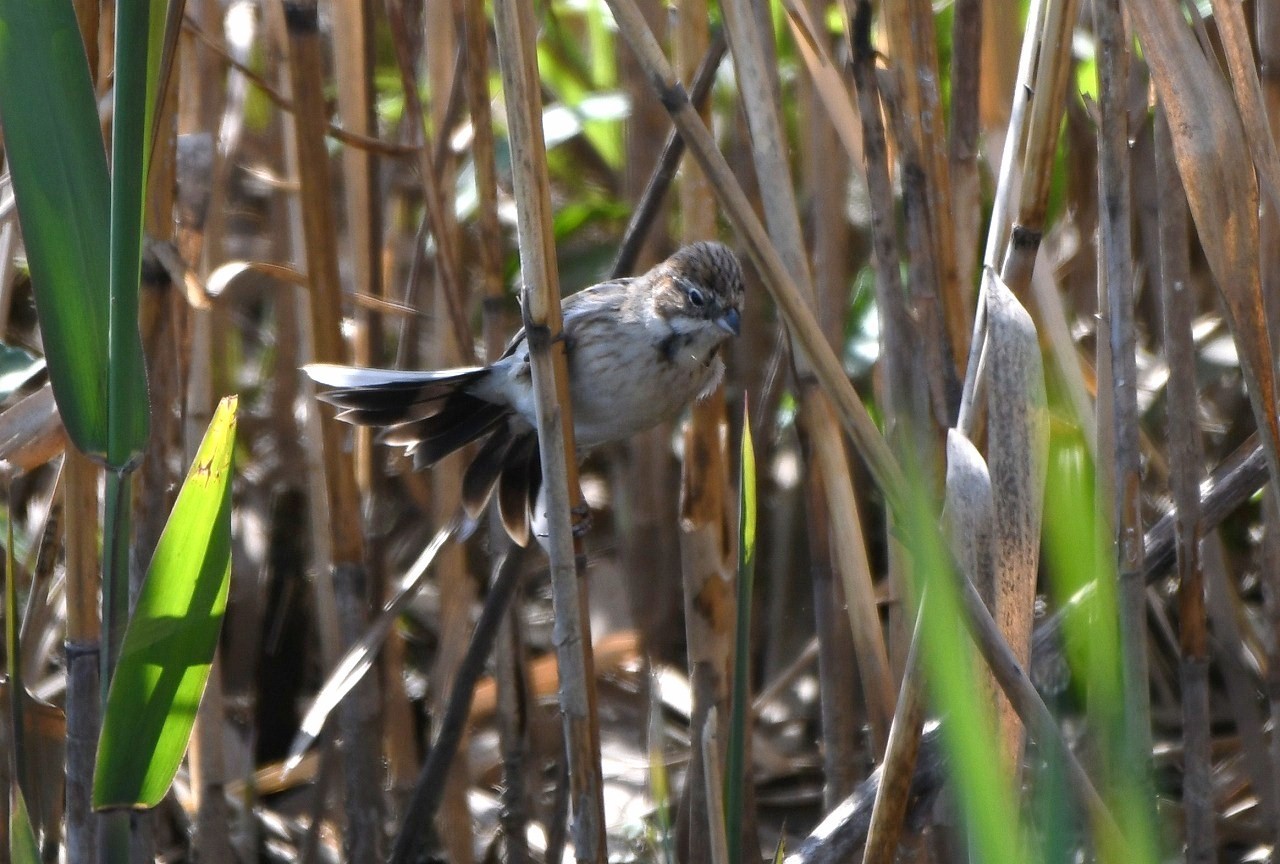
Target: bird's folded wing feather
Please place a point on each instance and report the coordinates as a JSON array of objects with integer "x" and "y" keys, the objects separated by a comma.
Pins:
[{"x": 584, "y": 301}]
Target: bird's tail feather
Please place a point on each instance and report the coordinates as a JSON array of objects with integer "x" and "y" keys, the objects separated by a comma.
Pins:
[
  {"x": 433, "y": 414},
  {"x": 518, "y": 486}
]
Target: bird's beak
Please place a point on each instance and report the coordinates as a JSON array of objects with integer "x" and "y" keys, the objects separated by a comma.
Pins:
[{"x": 730, "y": 322}]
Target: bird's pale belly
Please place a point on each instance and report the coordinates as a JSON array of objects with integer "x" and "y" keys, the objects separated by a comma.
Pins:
[
  {"x": 622, "y": 400},
  {"x": 618, "y": 386}
]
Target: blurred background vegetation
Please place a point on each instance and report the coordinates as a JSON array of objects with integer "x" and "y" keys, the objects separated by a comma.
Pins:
[{"x": 1004, "y": 567}]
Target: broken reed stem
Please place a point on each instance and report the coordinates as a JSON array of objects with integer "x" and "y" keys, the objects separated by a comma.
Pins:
[
  {"x": 359, "y": 717},
  {"x": 543, "y": 326}
]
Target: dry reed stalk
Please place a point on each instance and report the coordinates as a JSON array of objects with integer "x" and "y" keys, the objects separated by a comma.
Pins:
[
  {"x": 353, "y": 61},
  {"x": 1237, "y": 48},
  {"x": 825, "y": 177},
  {"x": 941, "y": 303},
  {"x": 842, "y": 714},
  {"x": 645, "y": 531},
  {"x": 706, "y": 545},
  {"x": 281, "y": 100},
  {"x": 890, "y": 807},
  {"x": 83, "y": 644},
  {"x": 513, "y": 689},
  {"x": 1016, "y": 455},
  {"x": 513, "y": 698},
  {"x": 471, "y": 21},
  {"x": 706, "y": 563},
  {"x": 1268, "y": 44},
  {"x": 888, "y": 475},
  {"x": 1115, "y": 296},
  {"x": 926, "y": 176},
  {"x": 1013, "y": 235},
  {"x": 646, "y": 211},
  {"x": 825, "y": 180},
  {"x": 1230, "y": 655},
  {"x": 1187, "y": 458},
  {"x": 448, "y": 268},
  {"x": 828, "y": 87},
  {"x": 756, "y": 68},
  {"x": 933, "y": 361},
  {"x": 1043, "y": 123},
  {"x": 999, "y": 228},
  {"x": 713, "y": 788},
  {"x": 445, "y": 350},
  {"x": 739, "y": 210},
  {"x": 900, "y": 391},
  {"x": 904, "y": 410},
  {"x": 359, "y": 716},
  {"x": 962, "y": 154},
  {"x": 1017, "y": 448},
  {"x": 543, "y": 323},
  {"x": 1001, "y": 36},
  {"x": 1210, "y": 137}
]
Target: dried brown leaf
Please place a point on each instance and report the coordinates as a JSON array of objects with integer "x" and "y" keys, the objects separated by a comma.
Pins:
[
  {"x": 1209, "y": 145},
  {"x": 1018, "y": 441}
]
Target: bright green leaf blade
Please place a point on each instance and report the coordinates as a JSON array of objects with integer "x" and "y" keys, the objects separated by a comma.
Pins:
[
  {"x": 164, "y": 663},
  {"x": 747, "y": 519},
  {"x": 23, "y": 848},
  {"x": 736, "y": 771},
  {"x": 59, "y": 168},
  {"x": 139, "y": 44}
]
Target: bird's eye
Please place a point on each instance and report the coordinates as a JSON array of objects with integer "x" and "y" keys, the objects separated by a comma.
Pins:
[{"x": 696, "y": 298}]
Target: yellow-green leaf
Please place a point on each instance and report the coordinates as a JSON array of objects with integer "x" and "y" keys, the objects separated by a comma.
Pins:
[
  {"x": 169, "y": 645},
  {"x": 22, "y": 838}
]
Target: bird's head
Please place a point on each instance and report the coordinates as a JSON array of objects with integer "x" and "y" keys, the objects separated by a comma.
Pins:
[{"x": 702, "y": 285}]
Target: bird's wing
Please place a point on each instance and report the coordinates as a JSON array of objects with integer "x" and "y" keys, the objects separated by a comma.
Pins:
[{"x": 577, "y": 304}]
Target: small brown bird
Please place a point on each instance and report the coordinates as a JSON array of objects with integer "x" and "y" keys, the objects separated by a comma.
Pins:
[{"x": 638, "y": 350}]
